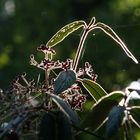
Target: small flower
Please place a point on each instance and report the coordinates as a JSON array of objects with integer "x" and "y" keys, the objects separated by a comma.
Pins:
[
  {"x": 74, "y": 98},
  {"x": 67, "y": 65},
  {"x": 87, "y": 70},
  {"x": 47, "y": 51}
]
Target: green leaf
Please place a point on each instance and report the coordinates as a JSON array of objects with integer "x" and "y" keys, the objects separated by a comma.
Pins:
[
  {"x": 47, "y": 127},
  {"x": 114, "y": 121},
  {"x": 134, "y": 98},
  {"x": 135, "y": 112},
  {"x": 64, "y": 81},
  {"x": 64, "y": 32},
  {"x": 94, "y": 89},
  {"x": 66, "y": 109},
  {"x": 109, "y": 31},
  {"x": 100, "y": 110},
  {"x": 134, "y": 102}
]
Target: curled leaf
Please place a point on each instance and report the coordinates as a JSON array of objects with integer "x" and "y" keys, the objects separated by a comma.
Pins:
[
  {"x": 64, "y": 81},
  {"x": 64, "y": 32},
  {"x": 109, "y": 31}
]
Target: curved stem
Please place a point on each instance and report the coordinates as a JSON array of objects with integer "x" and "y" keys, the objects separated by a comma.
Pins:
[
  {"x": 89, "y": 132},
  {"x": 80, "y": 48}
]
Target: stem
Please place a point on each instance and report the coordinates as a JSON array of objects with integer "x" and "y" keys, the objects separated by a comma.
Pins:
[
  {"x": 127, "y": 127},
  {"x": 46, "y": 78},
  {"x": 127, "y": 131},
  {"x": 80, "y": 48},
  {"x": 87, "y": 29},
  {"x": 90, "y": 133}
]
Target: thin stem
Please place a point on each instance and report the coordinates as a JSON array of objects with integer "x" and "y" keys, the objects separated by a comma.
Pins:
[
  {"x": 127, "y": 131},
  {"x": 88, "y": 132},
  {"x": 134, "y": 121},
  {"x": 127, "y": 127},
  {"x": 80, "y": 48},
  {"x": 46, "y": 78}
]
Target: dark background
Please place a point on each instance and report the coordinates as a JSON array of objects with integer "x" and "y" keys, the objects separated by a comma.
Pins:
[{"x": 26, "y": 24}]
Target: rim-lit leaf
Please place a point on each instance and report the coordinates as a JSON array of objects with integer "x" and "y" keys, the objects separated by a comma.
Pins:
[
  {"x": 134, "y": 99},
  {"x": 94, "y": 89},
  {"x": 64, "y": 81},
  {"x": 100, "y": 110},
  {"x": 64, "y": 32},
  {"x": 109, "y": 31},
  {"x": 135, "y": 112},
  {"x": 114, "y": 121},
  {"x": 66, "y": 109}
]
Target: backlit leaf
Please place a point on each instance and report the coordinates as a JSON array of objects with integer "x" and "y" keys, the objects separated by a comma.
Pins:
[
  {"x": 109, "y": 31},
  {"x": 100, "y": 110},
  {"x": 114, "y": 121},
  {"x": 64, "y": 32},
  {"x": 66, "y": 109},
  {"x": 94, "y": 89},
  {"x": 135, "y": 112},
  {"x": 64, "y": 81}
]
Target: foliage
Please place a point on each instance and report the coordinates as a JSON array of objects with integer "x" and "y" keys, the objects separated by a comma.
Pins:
[
  {"x": 24, "y": 24},
  {"x": 50, "y": 108}
]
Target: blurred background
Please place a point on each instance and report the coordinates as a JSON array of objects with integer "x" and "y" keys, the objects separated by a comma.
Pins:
[{"x": 26, "y": 24}]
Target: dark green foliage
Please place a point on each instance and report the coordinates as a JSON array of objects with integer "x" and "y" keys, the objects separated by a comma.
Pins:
[
  {"x": 30, "y": 24},
  {"x": 64, "y": 80},
  {"x": 114, "y": 121},
  {"x": 101, "y": 109},
  {"x": 135, "y": 112},
  {"x": 66, "y": 109},
  {"x": 116, "y": 38},
  {"x": 94, "y": 89},
  {"x": 35, "y": 22},
  {"x": 134, "y": 102}
]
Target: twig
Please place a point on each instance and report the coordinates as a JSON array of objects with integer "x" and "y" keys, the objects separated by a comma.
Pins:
[{"x": 89, "y": 132}]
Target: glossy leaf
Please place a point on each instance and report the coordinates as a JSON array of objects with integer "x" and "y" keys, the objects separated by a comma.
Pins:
[
  {"x": 47, "y": 127},
  {"x": 114, "y": 121},
  {"x": 66, "y": 109},
  {"x": 94, "y": 89},
  {"x": 116, "y": 38},
  {"x": 64, "y": 81},
  {"x": 100, "y": 110},
  {"x": 64, "y": 32}
]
